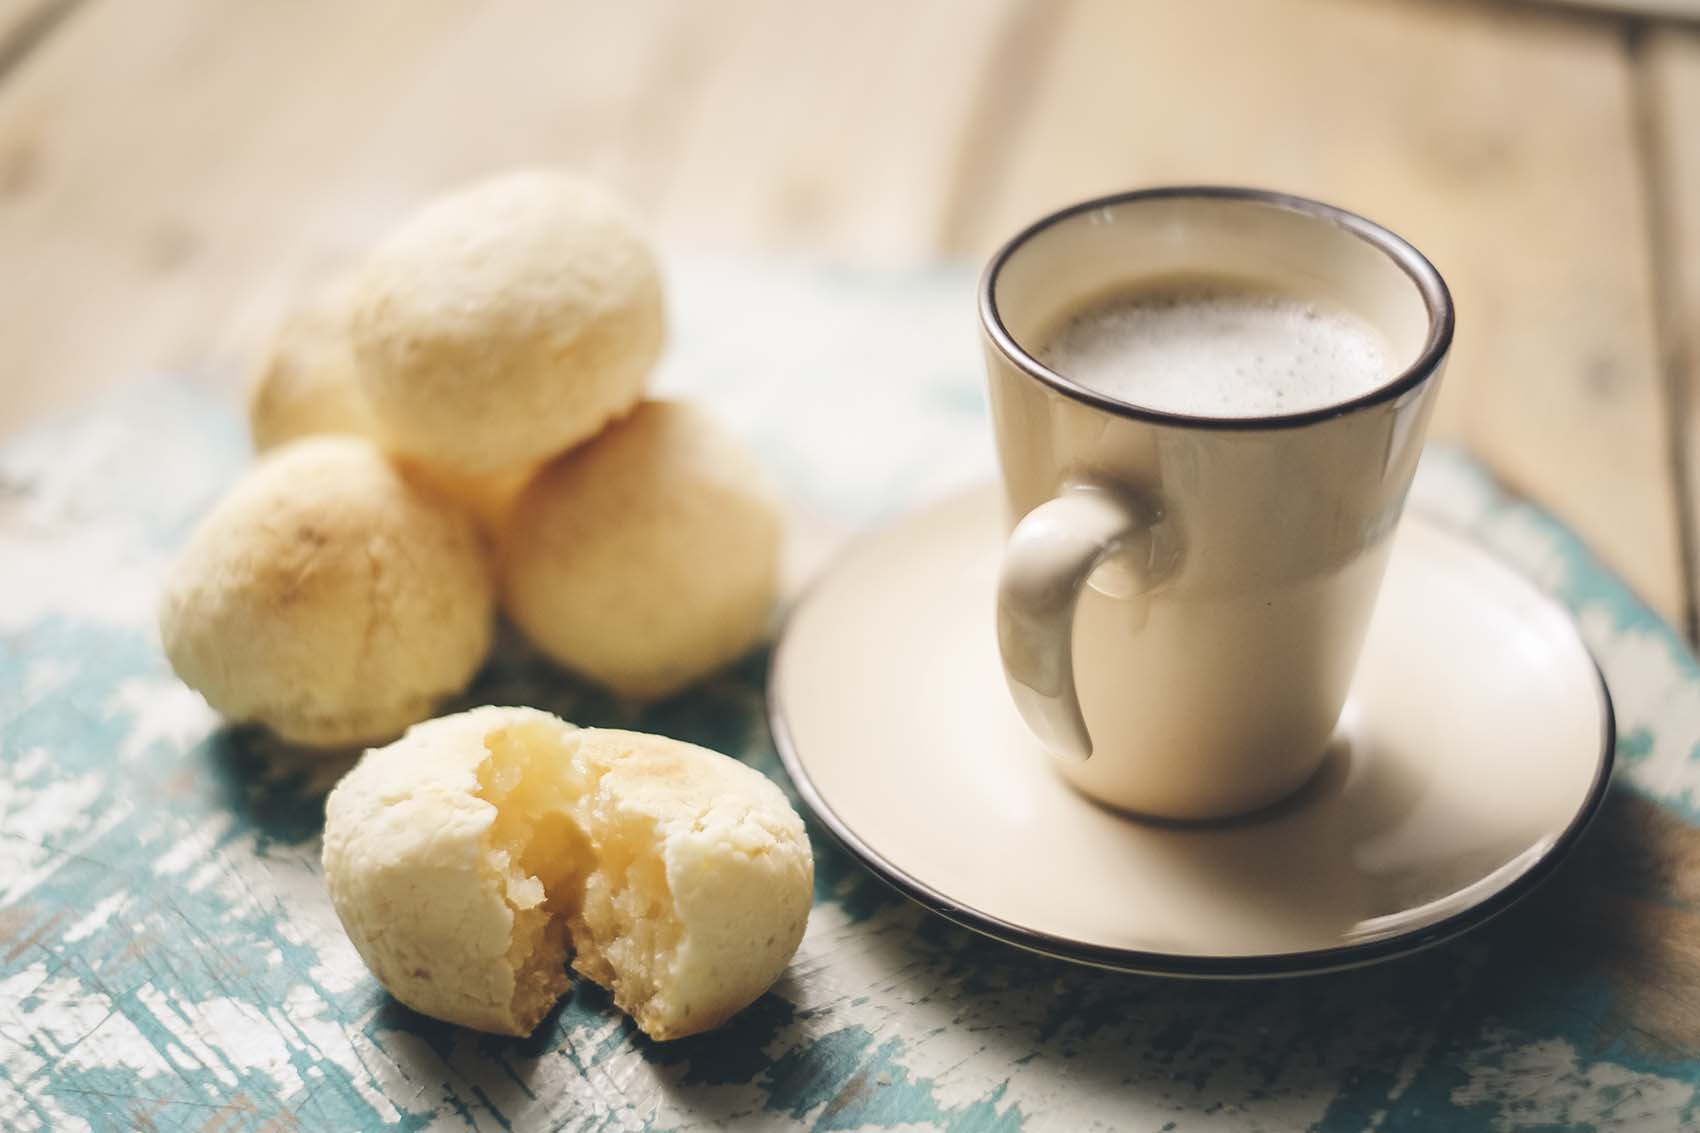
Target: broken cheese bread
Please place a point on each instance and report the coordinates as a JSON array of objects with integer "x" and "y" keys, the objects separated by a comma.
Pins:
[{"x": 465, "y": 858}]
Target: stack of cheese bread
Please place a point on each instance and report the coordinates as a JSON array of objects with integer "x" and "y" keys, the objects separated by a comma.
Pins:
[{"x": 461, "y": 424}]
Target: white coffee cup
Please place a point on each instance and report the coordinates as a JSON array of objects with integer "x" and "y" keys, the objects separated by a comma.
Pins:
[{"x": 1183, "y": 597}]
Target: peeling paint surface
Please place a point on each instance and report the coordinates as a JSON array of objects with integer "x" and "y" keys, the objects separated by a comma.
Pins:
[{"x": 169, "y": 961}]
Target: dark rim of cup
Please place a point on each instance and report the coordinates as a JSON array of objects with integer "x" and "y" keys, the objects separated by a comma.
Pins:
[{"x": 1437, "y": 299}]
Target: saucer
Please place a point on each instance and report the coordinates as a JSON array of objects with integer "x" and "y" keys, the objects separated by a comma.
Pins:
[{"x": 1474, "y": 748}]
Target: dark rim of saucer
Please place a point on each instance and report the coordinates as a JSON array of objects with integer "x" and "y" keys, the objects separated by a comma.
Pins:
[
  {"x": 1437, "y": 299},
  {"x": 1253, "y": 966}
]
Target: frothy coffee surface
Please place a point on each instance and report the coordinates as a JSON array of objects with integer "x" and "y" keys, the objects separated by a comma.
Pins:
[{"x": 1216, "y": 347}]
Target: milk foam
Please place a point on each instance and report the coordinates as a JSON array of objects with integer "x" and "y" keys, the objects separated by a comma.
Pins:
[{"x": 1219, "y": 348}]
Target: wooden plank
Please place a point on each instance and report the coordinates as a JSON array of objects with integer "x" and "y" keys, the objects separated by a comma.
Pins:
[
  {"x": 24, "y": 24},
  {"x": 173, "y": 169},
  {"x": 830, "y": 129},
  {"x": 1673, "y": 88},
  {"x": 1499, "y": 139},
  {"x": 167, "y": 149},
  {"x": 188, "y": 161},
  {"x": 1652, "y": 9},
  {"x": 15, "y": 12}
]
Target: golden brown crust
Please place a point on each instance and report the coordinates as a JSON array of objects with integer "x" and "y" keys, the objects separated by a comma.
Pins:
[{"x": 328, "y": 597}]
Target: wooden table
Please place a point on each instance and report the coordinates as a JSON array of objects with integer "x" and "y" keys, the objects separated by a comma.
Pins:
[{"x": 171, "y": 171}]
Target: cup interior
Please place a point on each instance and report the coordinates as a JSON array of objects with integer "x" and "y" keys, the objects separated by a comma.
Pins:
[{"x": 1298, "y": 245}]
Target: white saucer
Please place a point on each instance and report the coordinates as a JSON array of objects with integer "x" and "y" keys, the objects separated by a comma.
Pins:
[{"x": 1476, "y": 746}]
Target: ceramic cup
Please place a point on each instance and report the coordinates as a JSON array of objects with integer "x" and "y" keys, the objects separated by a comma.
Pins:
[{"x": 1183, "y": 598}]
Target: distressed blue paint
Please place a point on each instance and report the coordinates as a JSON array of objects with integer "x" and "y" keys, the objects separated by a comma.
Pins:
[
  {"x": 1635, "y": 745},
  {"x": 849, "y": 1081},
  {"x": 890, "y": 1015}
]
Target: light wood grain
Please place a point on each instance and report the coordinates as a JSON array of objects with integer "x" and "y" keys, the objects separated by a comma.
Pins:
[
  {"x": 1673, "y": 84},
  {"x": 181, "y": 165},
  {"x": 170, "y": 172},
  {"x": 1656, "y": 9},
  {"x": 22, "y": 23},
  {"x": 1499, "y": 139},
  {"x": 14, "y": 12}
]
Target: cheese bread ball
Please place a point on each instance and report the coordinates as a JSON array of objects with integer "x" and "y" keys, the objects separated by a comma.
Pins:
[
  {"x": 307, "y": 385},
  {"x": 506, "y": 323},
  {"x": 447, "y": 854},
  {"x": 702, "y": 884},
  {"x": 329, "y": 598},
  {"x": 647, "y": 558},
  {"x": 469, "y": 857}
]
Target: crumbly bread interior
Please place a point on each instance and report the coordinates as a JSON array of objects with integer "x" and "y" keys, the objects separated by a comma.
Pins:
[
  {"x": 703, "y": 886},
  {"x": 537, "y": 855},
  {"x": 607, "y": 902},
  {"x": 626, "y": 931},
  {"x": 584, "y": 864}
]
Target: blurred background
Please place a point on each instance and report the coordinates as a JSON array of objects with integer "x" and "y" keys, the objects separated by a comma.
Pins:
[{"x": 173, "y": 172}]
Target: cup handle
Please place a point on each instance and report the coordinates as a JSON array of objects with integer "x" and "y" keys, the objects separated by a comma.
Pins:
[{"x": 1050, "y": 555}]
